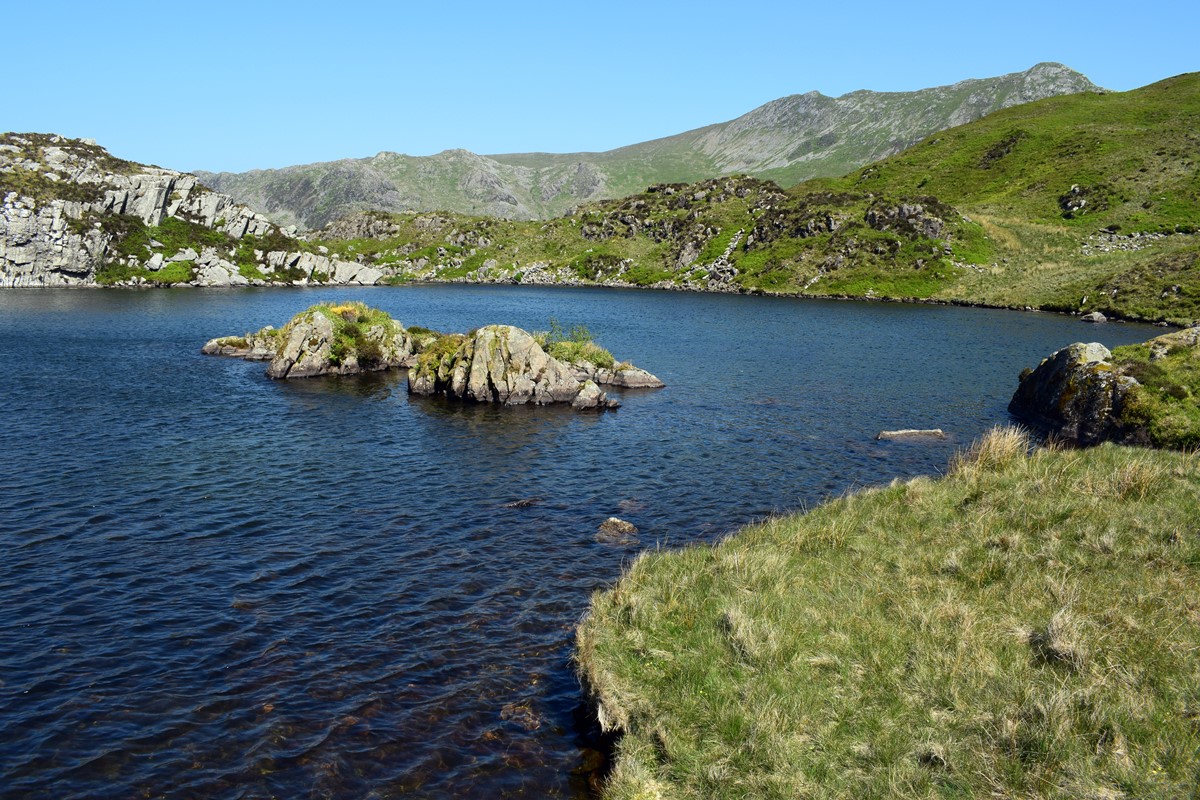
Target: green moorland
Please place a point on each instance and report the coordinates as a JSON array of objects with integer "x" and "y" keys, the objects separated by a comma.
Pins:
[
  {"x": 1076, "y": 203},
  {"x": 1026, "y": 626},
  {"x": 1041, "y": 177}
]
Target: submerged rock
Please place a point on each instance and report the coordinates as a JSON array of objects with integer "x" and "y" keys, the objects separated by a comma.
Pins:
[
  {"x": 913, "y": 433},
  {"x": 501, "y": 364},
  {"x": 615, "y": 530},
  {"x": 1076, "y": 395}
]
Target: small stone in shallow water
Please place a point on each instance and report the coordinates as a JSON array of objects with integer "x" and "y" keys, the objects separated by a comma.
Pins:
[
  {"x": 617, "y": 531},
  {"x": 522, "y": 714},
  {"x": 913, "y": 433},
  {"x": 523, "y": 503}
]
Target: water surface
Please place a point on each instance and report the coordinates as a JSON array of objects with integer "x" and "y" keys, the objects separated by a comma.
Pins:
[{"x": 217, "y": 585}]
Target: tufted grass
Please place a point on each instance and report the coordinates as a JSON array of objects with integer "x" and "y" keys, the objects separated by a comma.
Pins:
[{"x": 1027, "y": 625}]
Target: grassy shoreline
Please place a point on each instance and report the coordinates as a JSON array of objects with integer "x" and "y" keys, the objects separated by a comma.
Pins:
[{"x": 1027, "y": 625}]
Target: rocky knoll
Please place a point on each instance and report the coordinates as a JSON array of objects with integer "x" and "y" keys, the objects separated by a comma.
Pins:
[
  {"x": 72, "y": 214},
  {"x": 1140, "y": 394},
  {"x": 502, "y": 364}
]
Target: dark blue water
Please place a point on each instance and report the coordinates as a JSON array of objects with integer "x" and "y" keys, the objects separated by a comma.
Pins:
[{"x": 215, "y": 585}]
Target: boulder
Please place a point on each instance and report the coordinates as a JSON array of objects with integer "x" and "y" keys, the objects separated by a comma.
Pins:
[
  {"x": 315, "y": 343},
  {"x": 502, "y": 364},
  {"x": 1076, "y": 395},
  {"x": 307, "y": 348},
  {"x": 324, "y": 340},
  {"x": 1094, "y": 316}
]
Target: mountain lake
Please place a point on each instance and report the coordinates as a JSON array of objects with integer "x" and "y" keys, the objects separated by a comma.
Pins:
[{"x": 216, "y": 585}]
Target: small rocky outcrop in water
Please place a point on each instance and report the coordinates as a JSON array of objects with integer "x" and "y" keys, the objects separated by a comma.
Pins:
[
  {"x": 325, "y": 340},
  {"x": 494, "y": 364},
  {"x": 626, "y": 376},
  {"x": 501, "y": 364}
]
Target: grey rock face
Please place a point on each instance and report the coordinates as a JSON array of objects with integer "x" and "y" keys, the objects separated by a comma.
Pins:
[
  {"x": 503, "y": 364},
  {"x": 39, "y": 247},
  {"x": 1076, "y": 395},
  {"x": 49, "y": 241}
]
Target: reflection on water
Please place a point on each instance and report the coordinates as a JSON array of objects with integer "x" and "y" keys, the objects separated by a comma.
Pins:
[{"x": 218, "y": 585}]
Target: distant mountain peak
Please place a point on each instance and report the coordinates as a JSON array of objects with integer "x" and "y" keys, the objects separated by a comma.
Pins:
[{"x": 787, "y": 140}]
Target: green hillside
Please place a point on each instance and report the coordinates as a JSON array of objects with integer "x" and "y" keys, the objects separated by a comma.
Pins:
[
  {"x": 1079, "y": 203},
  {"x": 1123, "y": 168}
]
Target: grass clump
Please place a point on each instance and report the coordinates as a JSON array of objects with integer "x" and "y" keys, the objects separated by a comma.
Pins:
[
  {"x": 573, "y": 346},
  {"x": 436, "y": 350},
  {"x": 353, "y": 323},
  {"x": 1026, "y": 626},
  {"x": 171, "y": 273}
]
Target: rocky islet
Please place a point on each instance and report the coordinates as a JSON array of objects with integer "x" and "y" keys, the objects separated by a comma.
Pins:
[{"x": 498, "y": 364}]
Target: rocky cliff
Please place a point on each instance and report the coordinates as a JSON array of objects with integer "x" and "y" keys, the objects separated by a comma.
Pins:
[
  {"x": 72, "y": 214},
  {"x": 786, "y": 140}
]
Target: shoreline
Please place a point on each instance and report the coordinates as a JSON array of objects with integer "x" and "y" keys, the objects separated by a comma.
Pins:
[{"x": 961, "y": 303}]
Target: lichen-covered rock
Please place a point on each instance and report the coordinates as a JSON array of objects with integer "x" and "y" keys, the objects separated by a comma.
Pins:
[
  {"x": 1161, "y": 345},
  {"x": 340, "y": 340},
  {"x": 307, "y": 348},
  {"x": 1076, "y": 394},
  {"x": 502, "y": 364}
]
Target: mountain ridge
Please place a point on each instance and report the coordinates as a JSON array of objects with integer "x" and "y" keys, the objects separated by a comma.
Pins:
[{"x": 789, "y": 139}]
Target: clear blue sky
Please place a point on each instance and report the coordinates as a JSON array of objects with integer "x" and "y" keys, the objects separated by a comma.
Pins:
[{"x": 224, "y": 85}]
